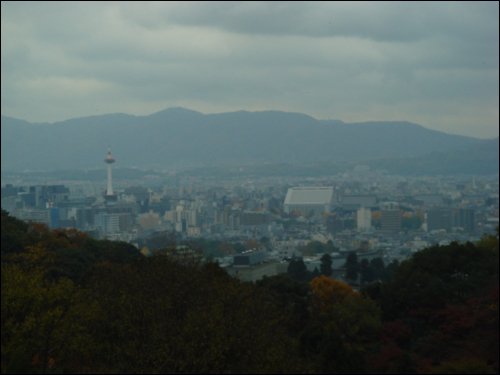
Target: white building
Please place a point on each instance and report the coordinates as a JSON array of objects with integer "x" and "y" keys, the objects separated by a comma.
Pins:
[
  {"x": 309, "y": 199},
  {"x": 181, "y": 214},
  {"x": 364, "y": 218},
  {"x": 36, "y": 216},
  {"x": 194, "y": 231}
]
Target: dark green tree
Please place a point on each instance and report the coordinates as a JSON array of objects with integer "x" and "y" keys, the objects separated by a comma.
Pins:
[
  {"x": 14, "y": 234},
  {"x": 438, "y": 275},
  {"x": 239, "y": 248},
  {"x": 352, "y": 267},
  {"x": 326, "y": 265},
  {"x": 378, "y": 267},
  {"x": 329, "y": 247},
  {"x": 160, "y": 316},
  {"x": 290, "y": 294},
  {"x": 388, "y": 272},
  {"x": 298, "y": 270},
  {"x": 367, "y": 272},
  {"x": 316, "y": 273}
]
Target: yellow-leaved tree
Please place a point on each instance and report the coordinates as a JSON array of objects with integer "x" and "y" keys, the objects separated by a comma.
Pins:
[
  {"x": 36, "y": 322},
  {"x": 344, "y": 327}
]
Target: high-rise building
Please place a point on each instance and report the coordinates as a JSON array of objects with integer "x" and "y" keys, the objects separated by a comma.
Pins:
[
  {"x": 334, "y": 224},
  {"x": 364, "y": 218},
  {"x": 439, "y": 219},
  {"x": 466, "y": 219},
  {"x": 391, "y": 218},
  {"x": 112, "y": 223},
  {"x": 179, "y": 214}
]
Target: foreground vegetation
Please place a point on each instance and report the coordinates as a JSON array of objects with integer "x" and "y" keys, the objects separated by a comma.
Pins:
[{"x": 71, "y": 304}]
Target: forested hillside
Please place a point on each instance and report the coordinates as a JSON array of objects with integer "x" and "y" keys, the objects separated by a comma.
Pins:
[
  {"x": 72, "y": 304},
  {"x": 178, "y": 137}
]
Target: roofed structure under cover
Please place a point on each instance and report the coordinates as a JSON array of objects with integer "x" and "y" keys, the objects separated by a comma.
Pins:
[{"x": 307, "y": 199}]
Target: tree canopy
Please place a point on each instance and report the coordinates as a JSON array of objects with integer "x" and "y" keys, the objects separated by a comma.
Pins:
[{"x": 72, "y": 304}]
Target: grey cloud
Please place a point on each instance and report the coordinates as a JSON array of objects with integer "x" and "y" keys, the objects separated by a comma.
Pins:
[
  {"x": 374, "y": 59},
  {"x": 390, "y": 21}
]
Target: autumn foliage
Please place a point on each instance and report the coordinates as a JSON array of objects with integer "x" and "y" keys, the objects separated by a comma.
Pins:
[{"x": 72, "y": 304}]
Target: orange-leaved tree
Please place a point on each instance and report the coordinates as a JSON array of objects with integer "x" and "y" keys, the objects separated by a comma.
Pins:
[
  {"x": 327, "y": 292},
  {"x": 344, "y": 327}
]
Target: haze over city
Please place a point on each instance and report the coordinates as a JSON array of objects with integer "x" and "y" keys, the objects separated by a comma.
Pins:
[{"x": 434, "y": 64}]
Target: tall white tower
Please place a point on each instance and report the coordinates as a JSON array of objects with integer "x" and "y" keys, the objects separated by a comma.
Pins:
[{"x": 109, "y": 160}]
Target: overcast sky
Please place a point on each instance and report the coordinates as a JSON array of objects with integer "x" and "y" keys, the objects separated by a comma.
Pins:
[{"x": 435, "y": 64}]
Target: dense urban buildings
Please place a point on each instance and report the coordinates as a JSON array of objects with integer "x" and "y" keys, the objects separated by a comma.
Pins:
[{"x": 372, "y": 213}]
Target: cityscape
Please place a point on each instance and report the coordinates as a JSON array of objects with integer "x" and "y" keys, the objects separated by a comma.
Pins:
[
  {"x": 369, "y": 212},
  {"x": 250, "y": 187}
]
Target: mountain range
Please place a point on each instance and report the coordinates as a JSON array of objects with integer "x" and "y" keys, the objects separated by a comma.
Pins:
[{"x": 182, "y": 138}]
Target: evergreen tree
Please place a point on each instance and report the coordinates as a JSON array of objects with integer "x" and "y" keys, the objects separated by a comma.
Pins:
[
  {"x": 367, "y": 271},
  {"x": 298, "y": 270},
  {"x": 326, "y": 265},
  {"x": 352, "y": 267},
  {"x": 316, "y": 273},
  {"x": 378, "y": 267}
]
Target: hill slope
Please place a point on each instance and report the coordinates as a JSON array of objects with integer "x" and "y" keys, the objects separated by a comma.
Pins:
[
  {"x": 178, "y": 137},
  {"x": 482, "y": 158}
]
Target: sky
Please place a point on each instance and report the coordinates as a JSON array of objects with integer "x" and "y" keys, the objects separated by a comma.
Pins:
[{"x": 431, "y": 63}]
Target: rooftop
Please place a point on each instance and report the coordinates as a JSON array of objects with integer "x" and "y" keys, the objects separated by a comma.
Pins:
[{"x": 309, "y": 195}]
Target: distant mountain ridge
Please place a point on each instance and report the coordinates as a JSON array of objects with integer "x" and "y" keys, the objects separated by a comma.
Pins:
[
  {"x": 181, "y": 138},
  {"x": 482, "y": 158}
]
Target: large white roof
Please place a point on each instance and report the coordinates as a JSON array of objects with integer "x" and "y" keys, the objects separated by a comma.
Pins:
[{"x": 309, "y": 195}]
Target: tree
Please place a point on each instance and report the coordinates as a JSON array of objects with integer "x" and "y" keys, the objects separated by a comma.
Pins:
[
  {"x": 388, "y": 272},
  {"x": 14, "y": 234},
  {"x": 313, "y": 248},
  {"x": 463, "y": 366},
  {"x": 368, "y": 272},
  {"x": 315, "y": 273},
  {"x": 344, "y": 327},
  {"x": 161, "y": 240},
  {"x": 159, "y": 316},
  {"x": 307, "y": 251},
  {"x": 226, "y": 248},
  {"x": 329, "y": 247},
  {"x": 239, "y": 248},
  {"x": 327, "y": 291},
  {"x": 290, "y": 294},
  {"x": 437, "y": 275},
  {"x": 378, "y": 267},
  {"x": 298, "y": 270},
  {"x": 411, "y": 222},
  {"x": 352, "y": 267},
  {"x": 489, "y": 241},
  {"x": 252, "y": 244},
  {"x": 326, "y": 265},
  {"x": 38, "y": 315}
]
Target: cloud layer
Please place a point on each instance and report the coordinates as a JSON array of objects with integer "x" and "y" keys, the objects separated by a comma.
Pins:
[{"x": 431, "y": 63}]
